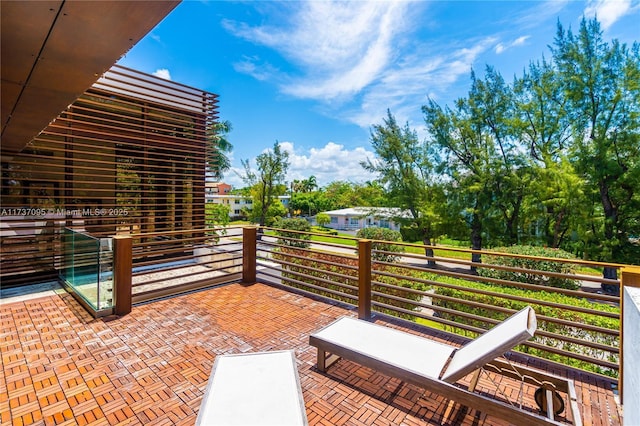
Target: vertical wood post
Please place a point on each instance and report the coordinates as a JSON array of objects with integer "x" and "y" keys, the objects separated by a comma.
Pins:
[
  {"x": 364, "y": 279},
  {"x": 630, "y": 277},
  {"x": 122, "y": 266},
  {"x": 249, "y": 254}
]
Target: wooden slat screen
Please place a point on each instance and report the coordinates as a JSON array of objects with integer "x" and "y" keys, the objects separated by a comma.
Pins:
[{"x": 128, "y": 156}]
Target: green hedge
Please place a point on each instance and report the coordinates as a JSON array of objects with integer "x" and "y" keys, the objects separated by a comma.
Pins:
[
  {"x": 574, "y": 331},
  {"x": 384, "y": 234},
  {"x": 341, "y": 265},
  {"x": 294, "y": 224},
  {"x": 537, "y": 264}
]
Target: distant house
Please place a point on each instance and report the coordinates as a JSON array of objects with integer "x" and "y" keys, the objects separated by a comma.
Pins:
[
  {"x": 237, "y": 202},
  {"x": 217, "y": 188},
  {"x": 355, "y": 218}
]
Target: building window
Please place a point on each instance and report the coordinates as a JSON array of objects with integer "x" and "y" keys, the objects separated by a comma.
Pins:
[
  {"x": 237, "y": 201},
  {"x": 354, "y": 221},
  {"x": 334, "y": 220},
  {"x": 384, "y": 223}
]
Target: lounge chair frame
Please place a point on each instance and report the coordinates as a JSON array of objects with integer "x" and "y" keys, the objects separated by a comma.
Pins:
[{"x": 330, "y": 349}]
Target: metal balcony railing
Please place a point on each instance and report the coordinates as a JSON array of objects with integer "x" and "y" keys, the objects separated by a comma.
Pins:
[{"x": 579, "y": 325}]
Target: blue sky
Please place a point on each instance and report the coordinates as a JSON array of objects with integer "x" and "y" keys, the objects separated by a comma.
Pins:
[{"x": 316, "y": 75}]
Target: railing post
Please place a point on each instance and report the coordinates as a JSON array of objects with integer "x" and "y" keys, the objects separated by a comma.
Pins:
[
  {"x": 630, "y": 277},
  {"x": 249, "y": 254},
  {"x": 122, "y": 266},
  {"x": 364, "y": 279}
]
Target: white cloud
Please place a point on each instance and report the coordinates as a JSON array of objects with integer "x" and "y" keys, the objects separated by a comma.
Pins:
[
  {"x": 163, "y": 73},
  {"x": 539, "y": 12},
  {"x": 250, "y": 66},
  {"x": 501, "y": 47},
  {"x": 403, "y": 88},
  {"x": 346, "y": 57},
  {"x": 608, "y": 11},
  {"x": 329, "y": 163},
  {"x": 338, "y": 47}
]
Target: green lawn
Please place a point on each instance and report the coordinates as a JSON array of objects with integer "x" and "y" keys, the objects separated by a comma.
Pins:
[{"x": 347, "y": 240}]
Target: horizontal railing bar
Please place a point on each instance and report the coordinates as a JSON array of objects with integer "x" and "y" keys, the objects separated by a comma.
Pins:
[
  {"x": 530, "y": 344},
  {"x": 320, "y": 288},
  {"x": 613, "y": 332},
  {"x": 511, "y": 284},
  {"x": 327, "y": 281},
  {"x": 578, "y": 277},
  {"x": 495, "y": 253},
  {"x": 321, "y": 261}
]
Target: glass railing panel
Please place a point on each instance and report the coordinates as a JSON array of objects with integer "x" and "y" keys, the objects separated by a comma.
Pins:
[
  {"x": 87, "y": 267},
  {"x": 105, "y": 274}
]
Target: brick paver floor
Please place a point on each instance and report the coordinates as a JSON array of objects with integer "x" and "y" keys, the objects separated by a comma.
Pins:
[{"x": 61, "y": 366}]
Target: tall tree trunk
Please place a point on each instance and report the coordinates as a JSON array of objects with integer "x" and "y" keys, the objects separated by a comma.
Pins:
[
  {"x": 558, "y": 229},
  {"x": 428, "y": 251},
  {"x": 512, "y": 221},
  {"x": 476, "y": 240},
  {"x": 610, "y": 220}
]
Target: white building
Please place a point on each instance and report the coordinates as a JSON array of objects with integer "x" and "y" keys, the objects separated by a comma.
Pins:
[
  {"x": 364, "y": 217},
  {"x": 237, "y": 203}
]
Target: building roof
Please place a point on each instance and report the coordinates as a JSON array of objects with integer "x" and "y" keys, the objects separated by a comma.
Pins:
[
  {"x": 381, "y": 212},
  {"x": 53, "y": 51}
]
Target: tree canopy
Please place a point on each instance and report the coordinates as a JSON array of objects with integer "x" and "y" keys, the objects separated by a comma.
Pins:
[
  {"x": 218, "y": 162},
  {"x": 267, "y": 184},
  {"x": 553, "y": 158}
]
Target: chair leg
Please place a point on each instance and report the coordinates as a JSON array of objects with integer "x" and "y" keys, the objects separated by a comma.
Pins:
[
  {"x": 322, "y": 356},
  {"x": 471, "y": 388},
  {"x": 474, "y": 380}
]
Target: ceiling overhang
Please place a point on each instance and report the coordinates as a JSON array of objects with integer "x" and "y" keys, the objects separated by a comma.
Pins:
[{"x": 53, "y": 51}]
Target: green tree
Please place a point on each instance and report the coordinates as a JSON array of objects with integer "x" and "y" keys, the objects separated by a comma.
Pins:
[
  {"x": 323, "y": 219},
  {"x": 555, "y": 194},
  {"x": 404, "y": 169},
  {"x": 216, "y": 218},
  {"x": 218, "y": 147},
  {"x": 306, "y": 203},
  {"x": 216, "y": 214},
  {"x": 371, "y": 194},
  {"x": 310, "y": 184},
  {"x": 340, "y": 195},
  {"x": 601, "y": 82},
  {"x": 267, "y": 184},
  {"x": 467, "y": 159},
  {"x": 479, "y": 150},
  {"x": 491, "y": 109}
]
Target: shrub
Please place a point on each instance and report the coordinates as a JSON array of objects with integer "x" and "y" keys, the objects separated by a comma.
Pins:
[
  {"x": 323, "y": 219},
  {"x": 411, "y": 233},
  {"x": 315, "y": 272},
  {"x": 456, "y": 302},
  {"x": 321, "y": 230},
  {"x": 382, "y": 234},
  {"x": 293, "y": 224},
  {"x": 534, "y": 264}
]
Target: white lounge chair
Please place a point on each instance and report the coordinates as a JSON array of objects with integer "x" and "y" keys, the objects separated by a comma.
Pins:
[
  {"x": 437, "y": 366},
  {"x": 252, "y": 389}
]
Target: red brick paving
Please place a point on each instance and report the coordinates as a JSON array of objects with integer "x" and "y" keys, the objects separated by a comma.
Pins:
[{"x": 62, "y": 367}]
